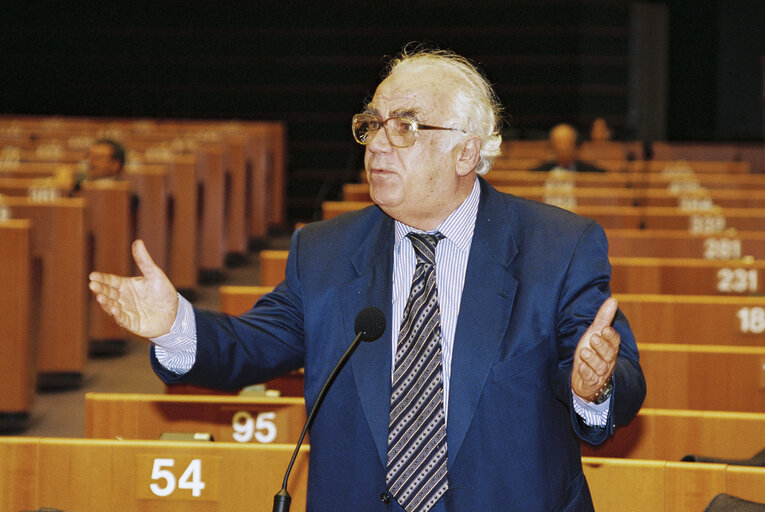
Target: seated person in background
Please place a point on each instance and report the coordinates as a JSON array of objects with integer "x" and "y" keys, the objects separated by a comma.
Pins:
[
  {"x": 106, "y": 159},
  {"x": 563, "y": 140},
  {"x": 600, "y": 130}
]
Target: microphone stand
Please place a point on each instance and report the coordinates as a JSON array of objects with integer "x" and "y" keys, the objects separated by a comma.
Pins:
[{"x": 282, "y": 499}]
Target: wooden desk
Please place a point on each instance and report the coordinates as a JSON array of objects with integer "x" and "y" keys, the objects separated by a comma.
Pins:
[
  {"x": 228, "y": 418},
  {"x": 273, "y": 264},
  {"x": 236, "y": 195},
  {"x": 629, "y": 485},
  {"x": 211, "y": 175},
  {"x": 686, "y": 276},
  {"x": 695, "y": 319},
  {"x": 675, "y": 181},
  {"x": 703, "y": 377},
  {"x": 146, "y": 476},
  {"x": 671, "y": 434},
  {"x": 117, "y": 476},
  {"x": 108, "y": 223},
  {"x": 17, "y": 363},
  {"x": 149, "y": 184},
  {"x": 235, "y": 300},
  {"x": 58, "y": 241},
  {"x": 38, "y": 188},
  {"x": 183, "y": 264},
  {"x": 666, "y": 243}
]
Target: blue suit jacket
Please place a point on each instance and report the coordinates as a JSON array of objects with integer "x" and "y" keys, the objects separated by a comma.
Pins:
[{"x": 535, "y": 280}]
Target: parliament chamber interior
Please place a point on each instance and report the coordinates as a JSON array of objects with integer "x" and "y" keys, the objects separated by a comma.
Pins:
[{"x": 234, "y": 119}]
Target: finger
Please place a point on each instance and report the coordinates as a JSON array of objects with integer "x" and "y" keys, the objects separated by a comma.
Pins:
[
  {"x": 611, "y": 336},
  {"x": 587, "y": 375},
  {"x": 595, "y": 362},
  {"x": 605, "y": 315},
  {"x": 143, "y": 259},
  {"x": 109, "y": 280},
  {"x": 604, "y": 348}
]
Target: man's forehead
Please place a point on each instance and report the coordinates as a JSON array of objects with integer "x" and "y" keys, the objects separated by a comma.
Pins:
[{"x": 404, "y": 94}]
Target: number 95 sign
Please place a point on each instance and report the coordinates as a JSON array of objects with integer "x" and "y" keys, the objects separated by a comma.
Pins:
[{"x": 261, "y": 428}]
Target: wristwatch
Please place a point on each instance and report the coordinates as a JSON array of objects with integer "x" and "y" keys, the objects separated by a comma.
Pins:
[{"x": 604, "y": 393}]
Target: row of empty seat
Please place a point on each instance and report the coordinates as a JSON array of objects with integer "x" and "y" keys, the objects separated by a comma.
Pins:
[{"x": 196, "y": 191}]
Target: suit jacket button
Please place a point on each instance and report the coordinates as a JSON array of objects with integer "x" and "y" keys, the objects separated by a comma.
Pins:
[{"x": 385, "y": 497}]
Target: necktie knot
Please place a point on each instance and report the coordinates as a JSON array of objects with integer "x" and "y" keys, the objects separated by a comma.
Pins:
[{"x": 424, "y": 245}]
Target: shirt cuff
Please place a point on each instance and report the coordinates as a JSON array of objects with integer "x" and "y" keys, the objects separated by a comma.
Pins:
[
  {"x": 177, "y": 350},
  {"x": 593, "y": 415}
]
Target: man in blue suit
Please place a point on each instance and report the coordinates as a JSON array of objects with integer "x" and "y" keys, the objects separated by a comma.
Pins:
[{"x": 534, "y": 353}]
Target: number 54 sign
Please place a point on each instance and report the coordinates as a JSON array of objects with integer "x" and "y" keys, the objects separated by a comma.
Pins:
[{"x": 179, "y": 478}]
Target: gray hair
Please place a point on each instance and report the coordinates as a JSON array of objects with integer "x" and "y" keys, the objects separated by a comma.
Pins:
[{"x": 474, "y": 101}]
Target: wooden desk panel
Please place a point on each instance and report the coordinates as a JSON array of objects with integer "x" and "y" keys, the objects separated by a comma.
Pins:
[
  {"x": 671, "y": 434},
  {"x": 182, "y": 184},
  {"x": 107, "y": 218},
  {"x": 235, "y": 300},
  {"x": 260, "y": 196},
  {"x": 149, "y": 184},
  {"x": 16, "y": 363},
  {"x": 117, "y": 475},
  {"x": 236, "y": 195},
  {"x": 210, "y": 172},
  {"x": 58, "y": 240},
  {"x": 273, "y": 264},
  {"x": 745, "y": 483},
  {"x": 680, "y": 182},
  {"x": 686, "y": 276},
  {"x": 695, "y": 319},
  {"x": 229, "y": 419},
  {"x": 666, "y": 243},
  {"x": 704, "y": 377},
  {"x": 626, "y": 485}
]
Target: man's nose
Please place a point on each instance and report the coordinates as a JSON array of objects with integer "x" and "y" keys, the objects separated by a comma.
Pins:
[{"x": 379, "y": 141}]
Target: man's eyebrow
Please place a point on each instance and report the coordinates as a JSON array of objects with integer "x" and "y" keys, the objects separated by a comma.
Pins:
[{"x": 409, "y": 113}]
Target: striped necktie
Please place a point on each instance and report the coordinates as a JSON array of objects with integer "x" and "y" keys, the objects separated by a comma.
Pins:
[{"x": 416, "y": 473}]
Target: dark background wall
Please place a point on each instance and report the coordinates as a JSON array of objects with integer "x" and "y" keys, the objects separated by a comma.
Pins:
[{"x": 314, "y": 64}]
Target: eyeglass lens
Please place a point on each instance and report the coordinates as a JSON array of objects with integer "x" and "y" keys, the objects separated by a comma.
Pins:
[{"x": 400, "y": 130}]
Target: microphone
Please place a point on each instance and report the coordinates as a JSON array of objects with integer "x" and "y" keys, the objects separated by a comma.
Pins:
[{"x": 369, "y": 325}]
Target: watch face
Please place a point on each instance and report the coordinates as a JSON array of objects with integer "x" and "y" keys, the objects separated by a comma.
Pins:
[{"x": 604, "y": 393}]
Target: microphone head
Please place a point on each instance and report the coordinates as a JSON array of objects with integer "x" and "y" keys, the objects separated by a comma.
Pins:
[{"x": 370, "y": 322}]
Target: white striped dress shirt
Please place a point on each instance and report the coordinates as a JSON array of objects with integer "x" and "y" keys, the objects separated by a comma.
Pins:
[{"x": 451, "y": 266}]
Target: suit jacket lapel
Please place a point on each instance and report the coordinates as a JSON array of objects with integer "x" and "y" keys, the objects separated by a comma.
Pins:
[
  {"x": 371, "y": 364},
  {"x": 487, "y": 300}
]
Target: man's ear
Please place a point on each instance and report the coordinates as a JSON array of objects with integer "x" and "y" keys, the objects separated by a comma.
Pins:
[{"x": 469, "y": 156}]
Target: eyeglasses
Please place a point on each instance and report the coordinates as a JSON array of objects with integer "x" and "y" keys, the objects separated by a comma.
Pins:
[{"x": 401, "y": 131}]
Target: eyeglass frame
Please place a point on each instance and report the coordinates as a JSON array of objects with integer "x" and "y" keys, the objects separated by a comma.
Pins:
[{"x": 416, "y": 127}]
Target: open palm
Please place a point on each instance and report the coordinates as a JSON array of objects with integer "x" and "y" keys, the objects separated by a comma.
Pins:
[{"x": 145, "y": 305}]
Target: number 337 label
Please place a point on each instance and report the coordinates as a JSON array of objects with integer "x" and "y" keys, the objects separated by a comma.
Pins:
[{"x": 180, "y": 478}]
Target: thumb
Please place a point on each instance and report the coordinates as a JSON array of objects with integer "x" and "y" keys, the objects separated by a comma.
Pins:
[
  {"x": 605, "y": 315},
  {"x": 143, "y": 259}
]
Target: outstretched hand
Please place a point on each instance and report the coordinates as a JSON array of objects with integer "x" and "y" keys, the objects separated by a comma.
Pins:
[
  {"x": 595, "y": 355},
  {"x": 145, "y": 305}
]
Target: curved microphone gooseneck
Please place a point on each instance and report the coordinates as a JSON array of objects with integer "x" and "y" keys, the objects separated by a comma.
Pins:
[{"x": 369, "y": 325}]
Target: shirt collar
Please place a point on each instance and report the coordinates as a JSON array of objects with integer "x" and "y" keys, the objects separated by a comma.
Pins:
[{"x": 458, "y": 227}]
